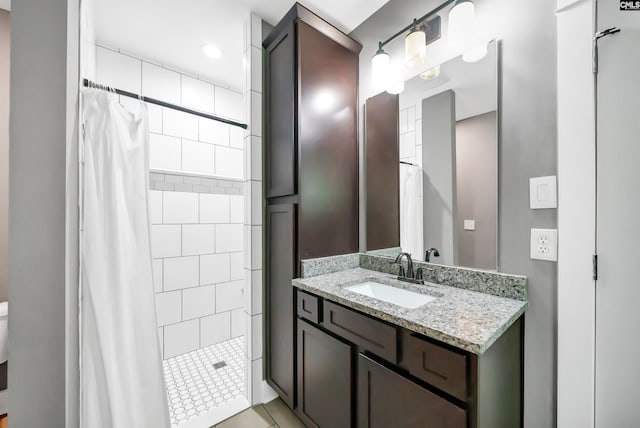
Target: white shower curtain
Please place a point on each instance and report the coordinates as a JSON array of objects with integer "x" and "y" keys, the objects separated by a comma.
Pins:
[
  {"x": 122, "y": 381},
  {"x": 411, "y": 211}
]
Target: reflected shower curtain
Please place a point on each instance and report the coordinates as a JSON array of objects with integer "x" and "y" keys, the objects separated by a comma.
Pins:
[
  {"x": 411, "y": 211},
  {"x": 122, "y": 380}
]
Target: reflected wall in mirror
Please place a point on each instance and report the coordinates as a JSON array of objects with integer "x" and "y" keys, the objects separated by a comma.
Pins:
[{"x": 448, "y": 158}]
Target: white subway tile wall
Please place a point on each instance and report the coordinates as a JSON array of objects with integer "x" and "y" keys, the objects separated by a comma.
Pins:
[
  {"x": 165, "y": 152},
  {"x": 251, "y": 313},
  {"x": 198, "y": 157},
  {"x": 214, "y": 208},
  {"x": 228, "y": 162},
  {"x": 179, "y": 141},
  {"x": 160, "y": 83},
  {"x": 228, "y": 103},
  {"x": 198, "y": 266},
  {"x": 117, "y": 70},
  {"x": 181, "y": 338},
  {"x": 411, "y": 134},
  {"x": 215, "y": 329},
  {"x": 197, "y": 208},
  {"x": 197, "y": 94}
]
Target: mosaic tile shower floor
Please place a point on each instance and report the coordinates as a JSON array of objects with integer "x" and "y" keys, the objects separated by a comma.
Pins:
[{"x": 199, "y": 381}]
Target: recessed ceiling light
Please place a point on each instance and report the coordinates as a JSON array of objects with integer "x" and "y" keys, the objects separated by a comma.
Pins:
[{"x": 212, "y": 51}]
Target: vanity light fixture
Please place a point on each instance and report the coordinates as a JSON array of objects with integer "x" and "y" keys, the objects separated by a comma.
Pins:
[
  {"x": 395, "y": 83},
  {"x": 380, "y": 68},
  {"x": 431, "y": 73},
  {"x": 475, "y": 54},
  {"x": 415, "y": 46},
  {"x": 462, "y": 22},
  {"x": 396, "y": 87},
  {"x": 421, "y": 32}
]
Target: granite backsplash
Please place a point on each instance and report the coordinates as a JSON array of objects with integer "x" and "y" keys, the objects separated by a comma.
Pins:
[{"x": 488, "y": 282}]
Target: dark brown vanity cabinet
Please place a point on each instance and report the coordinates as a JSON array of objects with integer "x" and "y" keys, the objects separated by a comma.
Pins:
[
  {"x": 388, "y": 399},
  {"x": 311, "y": 168},
  {"x": 359, "y": 371},
  {"x": 382, "y": 169},
  {"x": 279, "y": 301},
  {"x": 325, "y": 366}
]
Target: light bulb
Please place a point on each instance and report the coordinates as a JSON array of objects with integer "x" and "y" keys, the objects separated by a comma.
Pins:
[
  {"x": 431, "y": 73},
  {"x": 396, "y": 87},
  {"x": 395, "y": 81},
  {"x": 475, "y": 54},
  {"x": 415, "y": 48},
  {"x": 462, "y": 21},
  {"x": 380, "y": 66}
]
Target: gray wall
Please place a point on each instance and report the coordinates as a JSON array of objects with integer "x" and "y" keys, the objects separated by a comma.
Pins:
[
  {"x": 527, "y": 30},
  {"x": 439, "y": 175},
  {"x": 477, "y": 190},
  {"x": 43, "y": 111},
  {"x": 4, "y": 152}
]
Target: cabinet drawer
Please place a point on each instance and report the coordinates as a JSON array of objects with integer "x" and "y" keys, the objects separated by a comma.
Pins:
[
  {"x": 438, "y": 366},
  {"x": 308, "y": 307},
  {"x": 372, "y": 335}
]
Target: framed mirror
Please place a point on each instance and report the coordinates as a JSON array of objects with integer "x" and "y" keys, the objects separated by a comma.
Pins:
[{"x": 448, "y": 144}]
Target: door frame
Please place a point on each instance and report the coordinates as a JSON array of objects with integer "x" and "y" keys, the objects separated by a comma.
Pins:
[{"x": 575, "y": 368}]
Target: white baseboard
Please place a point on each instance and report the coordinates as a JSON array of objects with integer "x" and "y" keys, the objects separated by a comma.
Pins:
[{"x": 268, "y": 394}]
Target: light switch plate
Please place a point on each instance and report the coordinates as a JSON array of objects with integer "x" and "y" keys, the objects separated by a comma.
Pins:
[
  {"x": 544, "y": 244},
  {"x": 469, "y": 225},
  {"x": 543, "y": 193}
]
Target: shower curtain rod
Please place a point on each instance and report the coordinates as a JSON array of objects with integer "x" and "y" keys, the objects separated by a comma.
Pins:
[
  {"x": 89, "y": 84},
  {"x": 408, "y": 163}
]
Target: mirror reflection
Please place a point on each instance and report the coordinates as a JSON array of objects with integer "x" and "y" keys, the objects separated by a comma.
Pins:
[{"x": 449, "y": 163}]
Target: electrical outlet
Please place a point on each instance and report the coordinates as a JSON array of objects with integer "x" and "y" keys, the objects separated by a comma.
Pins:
[{"x": 544, "y": 244}]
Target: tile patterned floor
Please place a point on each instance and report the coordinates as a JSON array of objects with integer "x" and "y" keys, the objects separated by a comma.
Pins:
[
  {"x": 196, "y": 383},
  {"x": 271, "y": 415}
]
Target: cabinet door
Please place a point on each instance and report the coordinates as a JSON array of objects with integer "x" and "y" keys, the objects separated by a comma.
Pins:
[
  {"x": 382, "y": 169},
  {"x": 324, "y": 378},
  {"x": 280, "y": 96},
  {"x": 387, "y": 399},
  {"x": 328, "y": 145},
  {"x": 280, "y": 346}
]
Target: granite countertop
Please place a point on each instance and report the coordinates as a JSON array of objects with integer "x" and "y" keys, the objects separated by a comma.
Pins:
[{"x": 465, "y": 319}]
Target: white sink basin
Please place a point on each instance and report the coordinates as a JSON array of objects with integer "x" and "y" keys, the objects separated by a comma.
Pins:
[{"x": 387, "y": 293}]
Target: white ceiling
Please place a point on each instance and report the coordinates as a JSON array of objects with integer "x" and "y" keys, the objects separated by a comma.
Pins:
[
  {"x": 172, "y": 32},
  {"x": 5, "y": 4}
]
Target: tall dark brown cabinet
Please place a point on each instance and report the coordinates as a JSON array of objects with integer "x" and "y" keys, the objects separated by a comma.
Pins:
[
  {"x": 311, "y": 168},
  {"x": 382, "y": 170}
]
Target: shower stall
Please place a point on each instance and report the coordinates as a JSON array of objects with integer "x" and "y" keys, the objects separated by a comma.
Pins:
[{"x": 203, "y": 184}]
